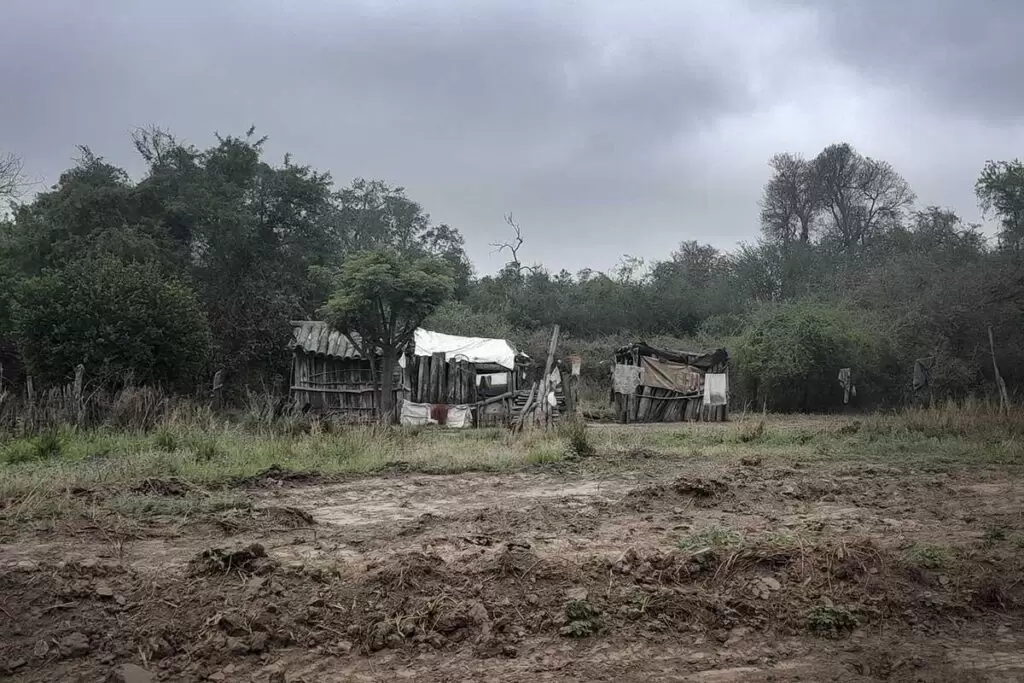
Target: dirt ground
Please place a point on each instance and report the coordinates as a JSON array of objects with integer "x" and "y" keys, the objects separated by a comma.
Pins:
[{"x": 686, "y": 569}]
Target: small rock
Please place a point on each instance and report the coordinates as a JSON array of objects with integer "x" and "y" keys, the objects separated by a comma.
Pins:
[
  {"x": 737, "y": 634},
  {"x": 696, "y": 657},
  {"x": 74, "y": 644},
  {"x": 25, "y": 565},
  {"x": 532, "y": 599},
  {"x": 509, "y": 651},
  {"x": 478, "y": 613},
  {"x": 237, "y": 645},
  {"x": 771, "y": 582},
  {"x": 217, "y": 676},
  {"x": 41, "y": 649},
  {"x": 16, "y": 664},
  {"x": 259, "y": 641},
  {"x": 160, "y": 648},
  {"x": 104, "y": 590},
  {"x": 576, "y": 594},
  {"x": 130, "y": 673}
]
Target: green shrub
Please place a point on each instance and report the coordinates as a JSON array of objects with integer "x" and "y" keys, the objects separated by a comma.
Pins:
[
  {"x": 43, "y": 447},
  {"x": 119, "y": 318},
  {"x": 791, "y": 354}
]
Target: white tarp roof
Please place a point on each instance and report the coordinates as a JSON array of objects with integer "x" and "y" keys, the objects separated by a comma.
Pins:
[{"x": 472, "y": 349}]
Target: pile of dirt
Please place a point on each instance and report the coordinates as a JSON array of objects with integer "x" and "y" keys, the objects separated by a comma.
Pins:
[
  {"x": 276, "y": 476},
  {"x": 235, "y": 605},
  {"x": 702, "y": 492}
]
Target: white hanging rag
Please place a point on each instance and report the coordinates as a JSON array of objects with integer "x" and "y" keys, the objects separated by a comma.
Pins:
[{"x": 716, "y": 389}]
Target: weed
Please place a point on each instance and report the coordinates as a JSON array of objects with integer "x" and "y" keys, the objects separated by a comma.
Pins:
[
  {"x": 577, "y": 443},
  {"x": 48, "y": 445},
  {"x": 831, "y": 621},
  {"x": 544, "y": 455},
  {"x": 931, "y": 556},
  {"x": 581, "y": 615},
  {"x": 748, "y": 432},
  {"x": 994, "y": 534},
  {"x": 205, "y": 448},
  {"x": 165, "y": 440}
]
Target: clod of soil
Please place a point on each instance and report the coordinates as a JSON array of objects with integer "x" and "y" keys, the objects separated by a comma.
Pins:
[
  {"x": 249, "y": 560},
  {"x": 275, "y": 476},
  {"x": 130, "y": 673}
]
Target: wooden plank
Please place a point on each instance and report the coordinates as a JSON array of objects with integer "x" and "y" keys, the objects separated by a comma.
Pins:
[
  {"x": 423, "y": 364},
  {"x": 547, "y": 369},
  {"x": 644, "y": 406}
]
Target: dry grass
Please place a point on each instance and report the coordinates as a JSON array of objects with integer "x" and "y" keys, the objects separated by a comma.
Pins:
[{"x": 184, "y": 440}]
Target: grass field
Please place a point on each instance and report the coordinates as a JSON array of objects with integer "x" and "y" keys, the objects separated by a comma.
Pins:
[{"x": 882, "y": 547}]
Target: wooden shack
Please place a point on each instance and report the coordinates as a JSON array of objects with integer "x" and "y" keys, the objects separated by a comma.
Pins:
[
  {"x": 651, "y": 384},
  {"x": 480, "y": 373},
  {"x": 330, "y": 376}
]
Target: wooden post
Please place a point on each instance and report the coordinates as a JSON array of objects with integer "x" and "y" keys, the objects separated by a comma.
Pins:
[
  {"x": 545, "y": 381},
  {"x": 1004, "y": 399},
  {"x": 518, "y": 424},
  {"x": 422, "y": 378},
  {"x": 76, "y": 393}
]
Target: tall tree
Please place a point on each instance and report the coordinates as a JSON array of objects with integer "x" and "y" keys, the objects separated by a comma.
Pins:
[
  {"x": 790, "y": 202},
  {"x": 247, "y": 234},
  {"x": 862, "y": 196},
  {"x": 381, "y": 297},
  {"x": 371, "y": 214},
  {"x": 1000, "y": 192}
]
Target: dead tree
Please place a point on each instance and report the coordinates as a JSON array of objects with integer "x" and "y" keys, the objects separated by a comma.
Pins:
[{"x": 513, "y": 246}]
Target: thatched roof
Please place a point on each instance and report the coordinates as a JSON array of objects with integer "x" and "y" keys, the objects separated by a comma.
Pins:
[{"x": 316, "y": 337}]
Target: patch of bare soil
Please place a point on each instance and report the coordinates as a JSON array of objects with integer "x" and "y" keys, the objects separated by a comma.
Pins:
[{"x": 729, "y": 572}]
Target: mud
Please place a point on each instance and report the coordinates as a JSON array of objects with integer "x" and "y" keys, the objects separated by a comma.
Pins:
[{"x": 693, "y": 571}]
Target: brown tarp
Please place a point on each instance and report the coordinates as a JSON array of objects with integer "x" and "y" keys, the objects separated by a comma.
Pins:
[{"x": 663, "y": 374}]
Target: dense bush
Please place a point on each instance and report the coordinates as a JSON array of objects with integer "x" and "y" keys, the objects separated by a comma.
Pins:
[
  {"x": 120, "y": 319},
  {"x": 791, "y": 354}
]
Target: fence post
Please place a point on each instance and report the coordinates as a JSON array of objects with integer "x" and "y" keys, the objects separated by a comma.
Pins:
[{"x": 76, "y": 393}]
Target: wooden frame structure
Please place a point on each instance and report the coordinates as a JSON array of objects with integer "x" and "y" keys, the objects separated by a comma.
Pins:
[
  {"x": 651, "y": 384},
  {"x": 330, "y": 376}
]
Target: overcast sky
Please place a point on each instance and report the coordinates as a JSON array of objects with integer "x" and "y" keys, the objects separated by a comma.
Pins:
[{"x": 608, "y": 127}]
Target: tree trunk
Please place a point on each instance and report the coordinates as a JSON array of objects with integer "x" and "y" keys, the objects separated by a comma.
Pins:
[{"x": 387, "y": 387}]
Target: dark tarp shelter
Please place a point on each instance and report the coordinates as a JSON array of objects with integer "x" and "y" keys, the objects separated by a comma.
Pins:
[{"x": 652, "y": 384}]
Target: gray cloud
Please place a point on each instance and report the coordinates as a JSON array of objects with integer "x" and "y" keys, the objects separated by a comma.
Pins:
[
  {"x": 963, "y": 57},
  {"x": 607, "y": 130}
]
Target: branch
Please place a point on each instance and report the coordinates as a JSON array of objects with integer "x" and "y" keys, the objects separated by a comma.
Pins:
[
  {"x": 12, "y": 176},
  {"x": 513, "y": 246}
]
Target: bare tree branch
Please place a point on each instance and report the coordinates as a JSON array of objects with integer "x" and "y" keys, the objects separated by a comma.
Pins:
[
  {"x": 12, "y": 176},
  {"x": 513, "y": 246}
]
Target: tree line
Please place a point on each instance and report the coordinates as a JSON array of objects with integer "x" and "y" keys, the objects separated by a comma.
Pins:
[{"x": 200, "y": 265}]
